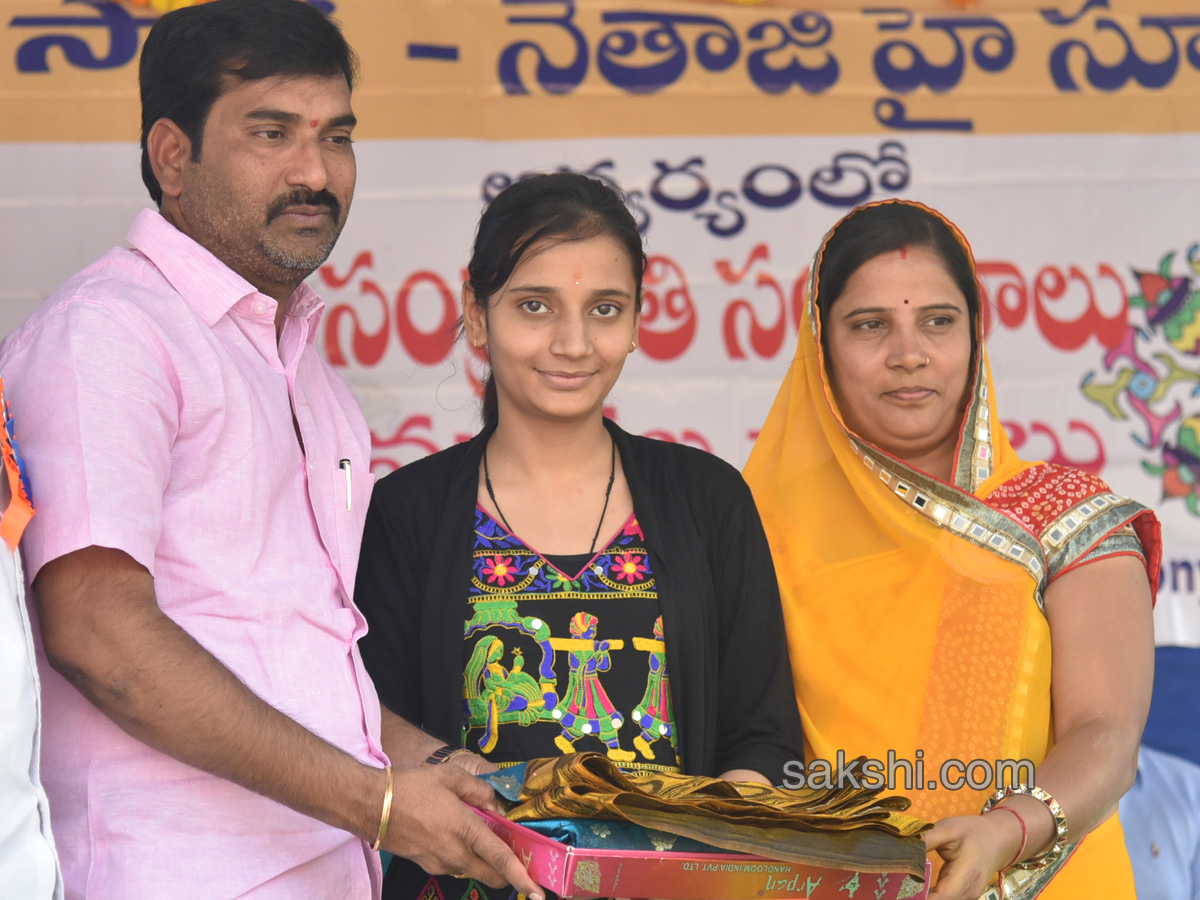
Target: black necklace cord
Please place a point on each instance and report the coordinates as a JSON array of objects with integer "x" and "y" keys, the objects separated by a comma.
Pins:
[
  {"x": 487, "y": 480},
  {"x": 612, "y": 477}
]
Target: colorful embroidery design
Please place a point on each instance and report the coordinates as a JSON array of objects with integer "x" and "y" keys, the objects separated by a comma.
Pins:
[
  {"x": 585, "y": 707},
  {"x": 565, "y": 658},
  {"x": 498, "y": 695},
  {"x": 443, "y": 887},
  {"x": 654, "y": 713}
]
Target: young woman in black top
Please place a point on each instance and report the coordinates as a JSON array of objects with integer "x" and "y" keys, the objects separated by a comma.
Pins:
[{"x": 555, "y": 584}]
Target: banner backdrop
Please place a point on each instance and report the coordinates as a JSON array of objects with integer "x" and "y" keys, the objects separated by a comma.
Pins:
[{"x": 1063, "y": 141}]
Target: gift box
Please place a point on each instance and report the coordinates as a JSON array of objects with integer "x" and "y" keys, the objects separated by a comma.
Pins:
[{"x": 576, "y": 872}]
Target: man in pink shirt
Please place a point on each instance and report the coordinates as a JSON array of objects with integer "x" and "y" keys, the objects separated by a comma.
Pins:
[{"x": 202, "y": 480}]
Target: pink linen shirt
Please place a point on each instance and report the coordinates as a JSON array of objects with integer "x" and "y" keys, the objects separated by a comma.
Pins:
[{"x": 156, "y": 406}]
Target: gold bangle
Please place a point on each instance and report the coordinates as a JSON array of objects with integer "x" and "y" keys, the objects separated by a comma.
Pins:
[
  {"x": 387, "y": 810},
  {"x": 1059, "y": 844}
]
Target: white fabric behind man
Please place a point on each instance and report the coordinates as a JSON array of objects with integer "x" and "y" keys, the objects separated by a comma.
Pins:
[{"x": 28, "y": 861}]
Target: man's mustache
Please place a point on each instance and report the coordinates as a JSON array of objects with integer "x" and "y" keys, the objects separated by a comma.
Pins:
[{"x": 305, "y": 197}]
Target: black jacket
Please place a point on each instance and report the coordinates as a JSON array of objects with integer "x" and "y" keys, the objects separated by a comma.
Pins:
[{"x": 730, "y": 678}]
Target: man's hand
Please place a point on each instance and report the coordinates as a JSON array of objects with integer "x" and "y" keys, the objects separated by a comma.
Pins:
[
  {"x": 473, "y": 763},
  {"x": 433, "y": 825}
]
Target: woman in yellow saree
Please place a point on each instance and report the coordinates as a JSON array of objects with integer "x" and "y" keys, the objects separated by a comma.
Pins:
[{"x": 927, "y": 573}]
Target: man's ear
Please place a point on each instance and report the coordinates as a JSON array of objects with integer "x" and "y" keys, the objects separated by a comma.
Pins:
[{"x": 170, "y": 151}]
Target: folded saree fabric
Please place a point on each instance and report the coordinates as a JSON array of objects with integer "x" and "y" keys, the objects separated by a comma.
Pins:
[
  {"x": 600, "y": 834},
  {"x": 846, "y": 828}
]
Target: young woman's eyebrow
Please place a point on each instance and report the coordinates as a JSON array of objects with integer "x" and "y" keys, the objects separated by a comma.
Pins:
[{"x": 546, "y": 289}]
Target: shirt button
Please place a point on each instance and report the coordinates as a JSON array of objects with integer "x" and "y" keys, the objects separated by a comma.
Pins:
[{"x": 260, "y": 308}]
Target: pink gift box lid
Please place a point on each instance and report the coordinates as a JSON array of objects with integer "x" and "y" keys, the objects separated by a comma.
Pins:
[{"x": 573, "y": 872}]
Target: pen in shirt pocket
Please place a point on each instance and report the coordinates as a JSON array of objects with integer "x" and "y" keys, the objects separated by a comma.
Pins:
[{"x": 344, "y": 465}]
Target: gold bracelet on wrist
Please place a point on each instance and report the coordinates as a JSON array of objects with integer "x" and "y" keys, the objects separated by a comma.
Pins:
[
  {"x": 387, "y": 810},
  {"x": 1059, "y": 844}
]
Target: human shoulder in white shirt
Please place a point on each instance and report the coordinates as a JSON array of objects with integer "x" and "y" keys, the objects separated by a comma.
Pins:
[{"x": 28, "y": 861}]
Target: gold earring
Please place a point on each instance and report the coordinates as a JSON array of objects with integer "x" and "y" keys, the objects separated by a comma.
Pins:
[
  {"x": 475, "y": 343},
  {"x": 632, "y": 346}
]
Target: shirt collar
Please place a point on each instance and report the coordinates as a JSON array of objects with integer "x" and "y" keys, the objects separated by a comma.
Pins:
[
  {"x": 305, "y": 303},
  {"x": 206, "y": 284}
]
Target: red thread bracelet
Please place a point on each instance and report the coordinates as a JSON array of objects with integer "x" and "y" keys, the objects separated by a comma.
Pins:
[
  {"x": 1020, "y": 850},
  {"x": 1024, "y": 833}
]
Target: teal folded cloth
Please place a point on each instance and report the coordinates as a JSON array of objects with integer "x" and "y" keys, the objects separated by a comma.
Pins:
[
  {"x": 507, "y": 782},
  {"x": 594, "y": 834},
  {"x": 600, "y": 834}
]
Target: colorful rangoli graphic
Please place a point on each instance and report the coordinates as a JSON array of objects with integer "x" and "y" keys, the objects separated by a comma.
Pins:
[{"x": 1153, "y": 376}]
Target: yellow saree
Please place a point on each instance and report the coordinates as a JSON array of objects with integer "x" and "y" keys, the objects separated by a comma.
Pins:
[{"x": 913, "y": 606}]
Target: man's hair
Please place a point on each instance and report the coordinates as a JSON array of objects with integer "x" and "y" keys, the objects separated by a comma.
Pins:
[{"x": 192, "y": 54}]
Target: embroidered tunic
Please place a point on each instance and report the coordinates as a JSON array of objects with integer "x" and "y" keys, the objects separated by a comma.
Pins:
[{"x": 564, "y": 654}]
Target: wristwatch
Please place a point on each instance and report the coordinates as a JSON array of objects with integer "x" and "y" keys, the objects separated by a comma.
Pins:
[{"x": 443, "y": 753}]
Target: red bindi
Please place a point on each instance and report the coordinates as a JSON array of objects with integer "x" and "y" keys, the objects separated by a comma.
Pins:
[
  {"x": 904, "y": 255},
  {"x": 906, "y": 301},
  {"x": 313, "y": 124}
]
